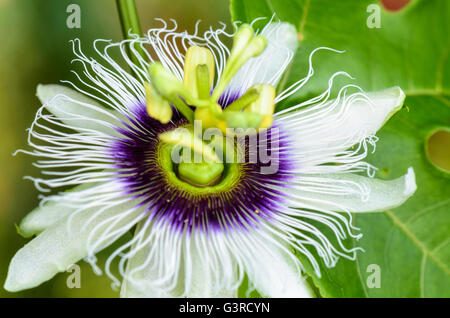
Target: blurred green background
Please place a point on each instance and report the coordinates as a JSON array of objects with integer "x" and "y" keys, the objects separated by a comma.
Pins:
[{"x": 35, "y": 49}]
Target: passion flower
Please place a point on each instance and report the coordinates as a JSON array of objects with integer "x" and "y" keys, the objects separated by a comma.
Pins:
[{"x": 200, "y": 226}]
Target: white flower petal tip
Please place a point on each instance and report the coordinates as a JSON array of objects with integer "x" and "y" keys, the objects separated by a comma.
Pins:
[
  {"x": 275, "y": 272},
  {"x": 410, "y": 183},
  {"x": 49, "y": 213},
  {"x": 390, "y": 193},
  {"x": 379, "y": 195},
  {"x": 328, "y": 128},
  {"x": 356, "y": 193},
  {"x": 42, "y": 218},
  {"x": 368, "y": 115},
  {"x": 74, "y": 109},
  {"x": 387, "y": 102},
  {"x": 282, "y": 34},
  {"x": 46, "y": 92},
  {"x": 25, "y": 271}
]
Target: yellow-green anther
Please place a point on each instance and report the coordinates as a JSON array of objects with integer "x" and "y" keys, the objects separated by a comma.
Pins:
[
  {"x": 243, "y": 35},
  {"x": 246, "y": 45},
  {"x": 264, "y": 105},
  {"x": 164, "y": 81},
  {"x": 254, "y": 48},
  {"x": 249, "y": 97},
  {"x": 157, "y": 107},
  {"x": 186, "y": 138},
  {"x": 170, "y": 88},
  {"x": 244, "y": 120},
  {"x": 196, "y": 56}
]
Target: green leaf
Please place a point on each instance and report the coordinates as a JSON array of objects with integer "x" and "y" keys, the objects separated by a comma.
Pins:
[{"x": 410, "y": 244}]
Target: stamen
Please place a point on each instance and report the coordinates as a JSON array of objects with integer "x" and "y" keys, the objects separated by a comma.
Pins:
[
  {"x": 203, "y": 85},
  {"x": 264, "y": 105},
  {"x": 199, "y": 66},
  {"x": 241, "y": 39},
  {"x": 170, "y": 88},
  {"x": 199, "y": 69},
  {"x": 165, "y": 82},
  {"x": 157, "y": 107},
  {"x": 245, "y": 46}
]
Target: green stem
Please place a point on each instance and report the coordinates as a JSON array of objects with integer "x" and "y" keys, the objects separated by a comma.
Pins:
[{"x": 130, "y": 23}]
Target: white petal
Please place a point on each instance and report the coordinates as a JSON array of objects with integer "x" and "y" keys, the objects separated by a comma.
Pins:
[
  {"x": 138, "y": 276},
  {"x": 75, "y": 109},
  {"x": 203, "y": 279},
  {"x": 194, "y": 279},
  {"x": 141, "y": 287},
  {"x": 324, "y": 130},
  {"x": 274, "y": 274},
  {"x": 354, "y": 193},
  {"x": 370, "y": 117},
  {"x": 269, "y": 66},
  {"x": 55, "y": 249},
  {"x": 42, "y": 218}
]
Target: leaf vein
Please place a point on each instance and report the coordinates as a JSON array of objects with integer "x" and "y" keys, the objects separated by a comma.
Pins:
[
  {"x": 422, "y": 276},
  {"x": 427, "y": 209},
  {"x": 421, "y": 246}
]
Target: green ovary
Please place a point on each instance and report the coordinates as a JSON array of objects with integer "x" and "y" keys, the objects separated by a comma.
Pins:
[{"x": 201, "y": 173}]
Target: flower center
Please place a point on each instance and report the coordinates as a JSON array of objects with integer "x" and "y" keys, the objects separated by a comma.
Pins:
[
  {"x": 242, "y": 194},
  {"x": 198, "y": 162},
  {"x": 197, "y": 178}
]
